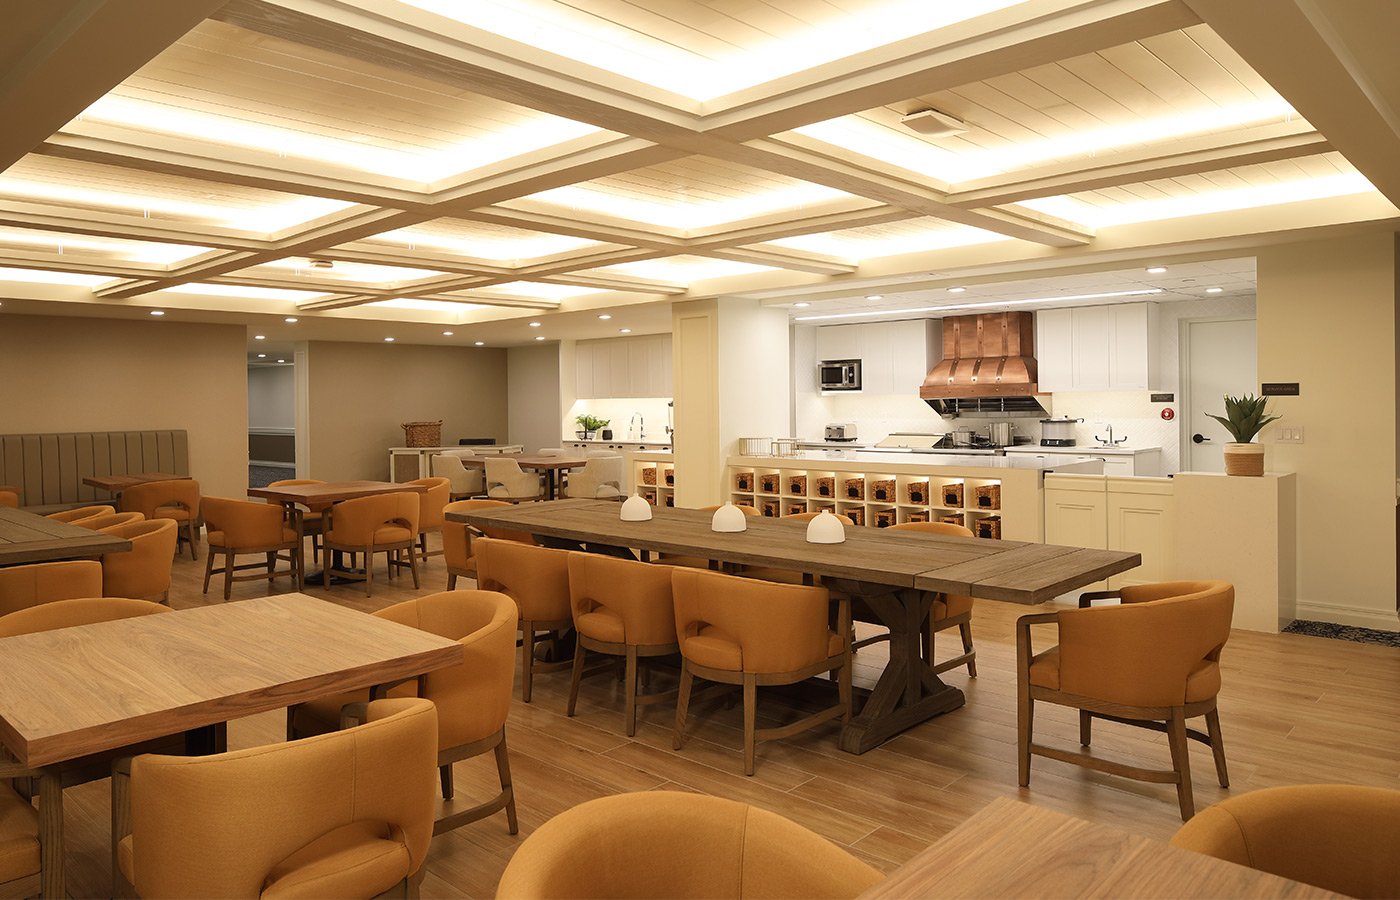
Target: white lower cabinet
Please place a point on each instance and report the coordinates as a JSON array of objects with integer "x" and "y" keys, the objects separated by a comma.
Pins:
[
  {"x": 1116, "y": 461},
  {"x": 1108, "y": 513}
]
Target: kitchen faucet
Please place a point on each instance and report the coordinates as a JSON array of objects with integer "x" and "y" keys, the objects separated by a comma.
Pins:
[
  {"x": 1110, "y": 442},
  {"x": 636, "y": 427}
]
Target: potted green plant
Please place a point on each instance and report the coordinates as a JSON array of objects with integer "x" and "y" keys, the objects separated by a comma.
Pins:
[
  {"x": 590, "y": 426},
  {"x": 1244, "y": 418}
]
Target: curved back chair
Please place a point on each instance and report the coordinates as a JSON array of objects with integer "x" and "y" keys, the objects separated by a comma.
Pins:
[
  {"x": 551, "y": 451},
  {"x": 473, "y": 698},
  {"x": 178, "y": 500},
  {"x": 75, "y": 516},
  {"x": 144, "y": 570},
  {"x": 98, "y": 523},
  {"x": 386, "y": 523},
  {"x": 948, "y": 610},
  {"x": 20, "y": 863},
  {"x": 10, "y": 499},
  {"x": 1340, "y": 837},
  {"x": 749, "y": 632},
  {"x": 430, "y": 506},
  {"x": 1153, "y": 661},
  {"x": 668, "y": 844},
  {"x": 537, "y": 579},
  {"x": 505, "y": 480},
  {"x": 348, "y": 814},
  {"x": 312, "y": 520},
  {"x": 624, "y": 608},
  {"x": 237, "y": 527},
  {"x": 463, "y": 481},
  {"x": 78, "y": 611},
  {"x": 24, "y": 586},
  {"x": 600, "y": 478},
  {"x": 457, "y": 539}
]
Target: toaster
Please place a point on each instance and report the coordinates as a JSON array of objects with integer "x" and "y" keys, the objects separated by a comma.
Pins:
[{"x": 841, "y": 431}]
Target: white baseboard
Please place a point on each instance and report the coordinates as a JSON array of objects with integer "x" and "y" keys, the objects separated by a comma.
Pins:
[
  {"x": 1358, "y": 616},
  {"x": 276, "y": 464}
]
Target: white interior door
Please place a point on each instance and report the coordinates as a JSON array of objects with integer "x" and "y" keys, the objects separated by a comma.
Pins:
[{"x": 1218, "y": 357}]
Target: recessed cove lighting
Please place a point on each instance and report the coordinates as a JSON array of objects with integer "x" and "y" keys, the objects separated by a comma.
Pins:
[
  {"x": 534, "y": 324},
  {"x": 956, "y": 290},
  {"x": 389, "y": 339},
  {"x": 479, "y": 344},
  {"x": 262, "y": 356},
  {"x": 605, "y": 316},
  {"x": 625, "y": 330},
  {"x": 290, "y": 319},
  {"x": 157, "y": 312},
  {"x": 1156, "y": 270},
  {"x": 1004, "y": 303},
  {"x": 540, "y": 338},
  {"x": 281, "y": 360},
  {"x": 1214, "y": 290},
  {"x": 447, "y": 334},
  {"x": 804, "y": 304},
  {"x": 259, "y": 337},
  {"x": 874, "y": 296}
]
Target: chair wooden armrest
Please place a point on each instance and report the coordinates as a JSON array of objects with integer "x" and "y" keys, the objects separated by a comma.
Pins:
[
  {"x": 1023, "y": 637},
  {"x": 1087, "y": 597}
]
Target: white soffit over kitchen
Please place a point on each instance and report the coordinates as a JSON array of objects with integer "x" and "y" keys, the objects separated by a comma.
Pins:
[{"x": 378, "y": 168}]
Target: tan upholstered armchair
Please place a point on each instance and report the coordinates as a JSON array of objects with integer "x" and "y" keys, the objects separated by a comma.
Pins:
[
  {"x": 464, "y": 481},
  {"x": 537, "y": 579},
  {"x": 1340, "y": 837},
  {"x": 311, "y": 519},
  {"x": 505, "y": 480},
  {"x": 473, "y": 698},
  {"x": 178, "y": 500},
  {"x": 600, "y": 478},
  {"x": 624, "y": 608},
  {"x": 381, "y": 523},
  {"x": 1153, "y": 661},
  {"x": 347, "y": 814},
  {"x": 239, "y": 527},
  {"x": 98, "y": 523},
  {"x": 20, "y": 863},
  {"x": 457, "y": 539},
  {"x": 430, "y": 506},
  {"x": 948, "y": 610},
  {"x": 25, "y": 586},
  {"x": 78, "y": 611},
  {"x": 144, "y": 570},
  {"x": 674, "y": 844},
  {"x": 746, "y": 631},
  {"x": 75, "y": 516},
  {"x": 10, "y": 499}
]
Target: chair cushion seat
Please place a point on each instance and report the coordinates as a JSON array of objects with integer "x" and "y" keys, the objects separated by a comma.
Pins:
[
  {"x": 392, "y": 534},
  {"x": 178, "y": 513},
  {"x": 501, "y": 492},
  {"x": 1202, "y": 683},
  {"x": 951, "y": 605},
  {"x": 1045, "y": 669},
  {"x": 19, "y": 836},
  {"x": 216, "y": 538},
  {"x": 602, "y": 624},
  {"x": 718, "y": 650},
  {"x": 361, "y": 859}
]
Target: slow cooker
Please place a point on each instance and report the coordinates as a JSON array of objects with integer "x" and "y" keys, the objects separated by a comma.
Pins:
[{"x": 1057, "y": 431}]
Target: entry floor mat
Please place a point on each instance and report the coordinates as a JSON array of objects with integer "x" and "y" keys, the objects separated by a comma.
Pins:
[{"x": 1344, "y": 632}]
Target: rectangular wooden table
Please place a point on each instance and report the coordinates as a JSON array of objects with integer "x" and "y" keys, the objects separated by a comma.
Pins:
[
  {"x": 74, "y": 692},
  {"x": 897, "y": 573},
  {"x": 549, "y": 465},
  {"x": 29, "y": 538},
  {"x": 1013, "y": 850},
  {"x": 118, "y": 483}
]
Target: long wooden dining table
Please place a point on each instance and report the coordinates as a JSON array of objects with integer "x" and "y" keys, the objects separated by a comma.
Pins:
[
  {"x": 551, "y": 466},
  {"x": 29, "y": 538},
  {"x": 897, "y": 573},
  {"x": 91, "y": 689}
]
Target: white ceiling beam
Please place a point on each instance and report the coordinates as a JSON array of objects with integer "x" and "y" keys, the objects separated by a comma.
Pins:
[
  {"x": 103, "y": 223},
  {"x": 782, "y": 258}
]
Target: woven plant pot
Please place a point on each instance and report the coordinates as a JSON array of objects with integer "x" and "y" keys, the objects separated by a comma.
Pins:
[{"x": 1244, "y": 459}]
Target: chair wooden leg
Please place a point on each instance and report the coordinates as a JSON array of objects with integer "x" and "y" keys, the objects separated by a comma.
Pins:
[
  {"x": 682, "y": 703},
  {"x": 528, "y": 663},
  {"x": 369, "y": 568},
  {"x": 577, "y": 678},
  {"x": 208, "y": 569},
  {"x": 750, "y": 719},
  {"x": 1181, "y": 761},
  {"x": 629, "y": 691},
  {"x": 965, "y": 629},
  {"x": 446, "y": 774},
  {"x": 452, "y": 581},
  {"x": 1217, "y": 746},
  {"x": 1086, "y": 725},
  {"x": 413, "y": 564},
  {"x": 503, "y": 769},
  {"x": 228, "y": 573},
  {"x": 1025, "y": 718}
]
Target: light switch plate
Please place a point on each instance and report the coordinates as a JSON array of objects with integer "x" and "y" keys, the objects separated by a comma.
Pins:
[{"x": 1289, "y": 434}]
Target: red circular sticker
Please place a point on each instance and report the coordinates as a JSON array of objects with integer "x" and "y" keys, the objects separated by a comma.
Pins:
[{"x": 1168, "y": 414}]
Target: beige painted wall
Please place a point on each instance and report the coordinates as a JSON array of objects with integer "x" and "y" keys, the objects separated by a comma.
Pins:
[
  {"x": 359, "y": 395},
  {"x": 1326, "y": 313},
  {"x": 78, "y": 374},
  {"x": 533, "y": 395}
]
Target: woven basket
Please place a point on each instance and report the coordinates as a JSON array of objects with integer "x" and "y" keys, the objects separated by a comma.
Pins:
[{"x": 422, "y": 434}]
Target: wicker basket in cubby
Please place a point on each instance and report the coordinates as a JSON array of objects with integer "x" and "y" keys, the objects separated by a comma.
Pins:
[
  {"x": 883, "y": 490},
  {"x": 649, "y": 475},
  {"x": 743, "y": 481},
  {"x": 952, "y": 494},
  {"x": 856, "y": 514},
  {"x": 953, "y": 519},
  {"x": 830, "y": 509},
  {"x": 918, "y": 492},
  {"x": 649, "y": 496},
  {"x": 797, "y": 484},
  {"x": 917, "y": 515},
  {"x": 670, "y": 500},
  {"x": 768, "y": 484},
  {"x": 826, "y": 487},
  {"x": 794, "y": 509},
  {"x": 854, "y": 489},
  {"x": 988, "y": 527},
  {"x": 771, "y": 508},
  {"x": 988, "y": 496},
  {"x": 669, "y": 476},
  {"x": 884, "y": 518}
]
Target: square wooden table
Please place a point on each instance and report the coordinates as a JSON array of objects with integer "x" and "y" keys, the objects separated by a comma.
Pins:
[
  {"x": 74, "y": 692},
  {"x": 29, "y": 538},
  {"x": 549, "y": 465},
  {"x": 118, "y": 483}
]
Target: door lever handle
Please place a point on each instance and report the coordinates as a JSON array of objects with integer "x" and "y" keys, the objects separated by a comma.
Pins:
[{"x": 1199, "y": 438}]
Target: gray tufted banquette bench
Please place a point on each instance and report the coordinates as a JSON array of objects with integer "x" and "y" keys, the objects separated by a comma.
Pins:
[{"x": 49, "y": 468}]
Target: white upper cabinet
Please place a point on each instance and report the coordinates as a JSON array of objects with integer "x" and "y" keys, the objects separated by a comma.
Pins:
[
  {"x": 623, "y": 367},
  {"x": 895, "y": 356},
  {"x": 1097, "y": 348}
]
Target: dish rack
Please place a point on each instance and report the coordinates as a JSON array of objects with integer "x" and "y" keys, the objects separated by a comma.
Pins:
[
  {"x": 784, "y": 447},
  {"x": 754, "y": 446}
]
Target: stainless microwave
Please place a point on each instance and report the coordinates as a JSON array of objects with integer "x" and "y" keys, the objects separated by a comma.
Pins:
[{"x": 839, "y": 374}]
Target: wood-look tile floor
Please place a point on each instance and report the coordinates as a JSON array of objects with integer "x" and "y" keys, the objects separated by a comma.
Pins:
[{"x": 1294, "y": 709}]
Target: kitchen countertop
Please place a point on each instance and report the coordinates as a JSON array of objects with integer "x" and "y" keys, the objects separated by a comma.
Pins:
[
  {"x": 1083, "y": 451},
  {"x": 913, "y": 457}
]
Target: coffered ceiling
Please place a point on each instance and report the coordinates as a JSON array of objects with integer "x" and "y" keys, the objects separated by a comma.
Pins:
[{"x": 377, "y": 168}]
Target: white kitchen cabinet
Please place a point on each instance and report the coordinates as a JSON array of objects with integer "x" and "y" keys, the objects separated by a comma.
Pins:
[
  {"x": 895, "y": 356},
  {"x": 623, "y": 367},
  {"x": 1116, "y": 461},
  {"x": 1097, "y": 348}
]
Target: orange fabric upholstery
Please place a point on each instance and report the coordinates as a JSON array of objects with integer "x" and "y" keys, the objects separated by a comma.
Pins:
[
  {"x": 178, "y": 500},
  {"x": 72, "y": 516},
  {"x": 100, "y": 523},
  {"x": 668, "y": 844},
  {"x": 311, "y": 519},
  {"x": 430, "y": 509},
  {"x": 19, "y": 844},
  {"x": 473, "y": 699},
  {"x": 237, "y": 527},
  {"x": 79, "y": 611},
  {"x": 379, "y": 523},
  {"x": 347, "y": 814},
  {"x": 537, "y": 579},
  {"x": 24, "y": 586},
  {"x": 739, "y": 630},
  {"x": 10, "y": 499},
  {"x": 144, "y": 570},
  {"x": 1336, "y": 836},
  {"x": 622, "y": 607},
  {"x": 948, "y": 610},
  {"x": 457, "y": 539}
]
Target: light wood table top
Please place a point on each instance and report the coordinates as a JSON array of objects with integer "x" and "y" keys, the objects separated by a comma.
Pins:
[
  {"x": 119, "y": 483},
  {"x": 528, "y": 460},
  {"x": 319, "y": 496},
  {"x": 68, "y": 693},
  {"x": 29, "y": 538},
  {"x": 1015, "y": 850}
]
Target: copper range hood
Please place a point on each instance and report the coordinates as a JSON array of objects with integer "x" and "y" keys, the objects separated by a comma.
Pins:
[{"x": 988, "y": 367}]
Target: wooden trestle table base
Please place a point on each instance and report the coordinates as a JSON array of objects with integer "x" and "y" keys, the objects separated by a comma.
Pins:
[{"x": 897, "y": 573}]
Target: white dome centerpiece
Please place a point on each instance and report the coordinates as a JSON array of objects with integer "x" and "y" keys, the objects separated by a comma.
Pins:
[
  {"x": 636, "y": 509},
  {"x": 729, "y": 518},
  {"x": 825, "y": 529}
]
